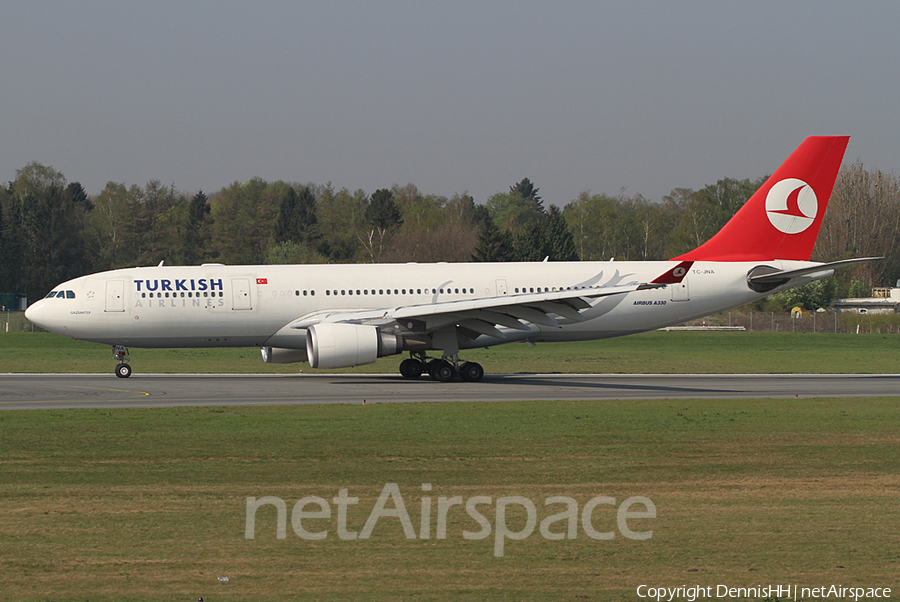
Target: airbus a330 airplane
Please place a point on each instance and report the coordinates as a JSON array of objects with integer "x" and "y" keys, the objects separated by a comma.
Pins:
[{"x": 336, "y": 316}]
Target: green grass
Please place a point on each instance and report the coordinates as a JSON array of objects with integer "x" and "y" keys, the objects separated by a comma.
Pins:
[
  {"x": 656, "y": 352},
  {"x": 149, "y": 504}
]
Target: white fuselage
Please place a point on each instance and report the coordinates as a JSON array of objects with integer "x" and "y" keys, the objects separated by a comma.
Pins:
[{"x": 254, "y": 306}]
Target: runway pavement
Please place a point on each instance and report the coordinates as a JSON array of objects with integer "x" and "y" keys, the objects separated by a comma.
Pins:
[{"x": 59, "y": 391}]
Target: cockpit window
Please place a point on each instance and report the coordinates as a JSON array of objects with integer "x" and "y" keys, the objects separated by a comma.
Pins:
[
  {"x": 50, "y": 294},
  {"x": 70, "y": 294}
]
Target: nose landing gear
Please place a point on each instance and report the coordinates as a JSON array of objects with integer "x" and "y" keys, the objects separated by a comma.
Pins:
[{"x": 123, "y": 370}]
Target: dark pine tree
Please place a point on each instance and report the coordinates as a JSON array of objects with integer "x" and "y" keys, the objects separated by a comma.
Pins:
[
  {"x": 13, "y": 247},
  {"x": 3, "y": 268},
  {"x": 77, "y": 197},
  {"x": 531, "y": 244},
  {"x": 306, "y": 222},
  {"x": 529, "y": 192},
  {"x": 285, "y": 230},
  {"x": 559, "y": 240},
  {"x": 384, "y": 217},
  {"x": 193, "y": 233},
  {"x": 493, "y": 244},
  {"x": 297, "y": 221},
  {"x": 382, "y": 212},
  {"x": 55, "y": 250}
]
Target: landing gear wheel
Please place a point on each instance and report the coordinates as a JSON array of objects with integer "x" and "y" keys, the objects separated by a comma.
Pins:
[
  {"x": 441, "y": 370},
  {"x": 123, "y": 370},
  {"x": 471, "y": 372},
  {"x": 411, "y": 368}
]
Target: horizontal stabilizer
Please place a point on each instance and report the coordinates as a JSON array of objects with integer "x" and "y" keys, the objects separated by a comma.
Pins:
[{"x": 783, "y": 276}]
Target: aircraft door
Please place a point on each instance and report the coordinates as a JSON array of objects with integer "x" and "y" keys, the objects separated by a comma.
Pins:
[
  {"x": 681, "y": 291},
  {"x": 240, "y": 293},
  {"x": 501, "y": 287},
  {"x": 115, "y": 295}
]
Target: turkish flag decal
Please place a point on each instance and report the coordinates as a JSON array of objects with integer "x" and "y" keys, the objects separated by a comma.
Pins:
[{"x": 262, "y": 281}]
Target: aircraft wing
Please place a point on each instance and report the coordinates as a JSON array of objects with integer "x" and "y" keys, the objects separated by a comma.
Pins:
[{"x": 482, "y": 316}]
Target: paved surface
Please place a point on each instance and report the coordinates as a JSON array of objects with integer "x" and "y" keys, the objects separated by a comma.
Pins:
[{"x": 57, "y": 391}]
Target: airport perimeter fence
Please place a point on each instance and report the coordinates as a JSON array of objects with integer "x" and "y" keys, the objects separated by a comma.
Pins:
[
  {"x": 15, "y": 321},
  {"x": 828, "y": 321}
]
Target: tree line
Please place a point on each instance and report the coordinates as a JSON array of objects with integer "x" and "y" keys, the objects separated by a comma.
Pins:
[{"x": 51, "y": 230}]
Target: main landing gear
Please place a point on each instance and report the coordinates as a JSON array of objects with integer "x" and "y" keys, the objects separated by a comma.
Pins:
[
  {"x": 123, "y": 370},
  {"x": 441, "y": 369}
]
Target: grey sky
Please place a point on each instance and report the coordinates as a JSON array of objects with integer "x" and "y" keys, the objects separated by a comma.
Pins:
[{"x": 451, "y": 96}]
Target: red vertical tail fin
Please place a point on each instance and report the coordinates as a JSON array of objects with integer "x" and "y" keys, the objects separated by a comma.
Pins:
[{"x": 782, "y": 219}]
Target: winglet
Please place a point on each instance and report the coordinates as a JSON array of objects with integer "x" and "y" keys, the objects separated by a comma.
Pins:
[{"x": 675, "y": 275}]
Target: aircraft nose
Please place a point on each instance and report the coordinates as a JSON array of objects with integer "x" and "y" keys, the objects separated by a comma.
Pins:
[{"x": 35, "y": 313}]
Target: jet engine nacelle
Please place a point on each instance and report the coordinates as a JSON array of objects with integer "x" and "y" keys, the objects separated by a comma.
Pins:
[
  {"x": 336, "y": 345},
  {"x": 278, "y": 355}
]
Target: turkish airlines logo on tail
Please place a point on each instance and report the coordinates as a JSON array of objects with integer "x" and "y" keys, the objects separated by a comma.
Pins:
[
  {"x": 675, "y": 275},
  {"x": 791, "y": 206}
]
